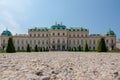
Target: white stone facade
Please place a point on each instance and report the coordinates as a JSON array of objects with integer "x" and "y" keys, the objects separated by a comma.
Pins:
[{"x": 58, "y": 38}]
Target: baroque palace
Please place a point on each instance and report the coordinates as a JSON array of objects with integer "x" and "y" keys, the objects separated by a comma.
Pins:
[{"x": 58, "y": 37}]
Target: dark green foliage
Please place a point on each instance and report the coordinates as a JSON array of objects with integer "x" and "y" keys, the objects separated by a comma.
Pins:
[
  {"x": 102, "y": 46},
  {"x": 40, "y": 49},
  {"x": 36, "y": 48},
  {"x": 74, "y": 49},
  {"x": 10, "y": 46},
  {"x": 86, "y": 48},
  {"x": 47, "y": 49},
  {"x": 28, "y": 48},
  {"x": 69, "y": 49},
  {"x": 43, "y": 49},
  {"x": 79, "y": 48}
]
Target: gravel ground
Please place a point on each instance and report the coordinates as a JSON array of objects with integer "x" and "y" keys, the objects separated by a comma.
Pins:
[{"x": 60, "y": 66}]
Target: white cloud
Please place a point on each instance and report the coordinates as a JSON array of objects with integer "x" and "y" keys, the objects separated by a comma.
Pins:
[
  {"x": 10, "y": 22},
  {"x": 11, "y": 12}
]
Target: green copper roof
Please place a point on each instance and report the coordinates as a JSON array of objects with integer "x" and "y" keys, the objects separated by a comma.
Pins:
[
  {"x": 58, "y": 27},
  {"x": 39, "y": 29},
  {"x": 78, "y": 29},
  {"x": 110, "y": 32},
  {"x": 6, "y": 33}
]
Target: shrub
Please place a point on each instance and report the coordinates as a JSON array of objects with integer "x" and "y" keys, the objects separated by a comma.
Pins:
[
  {"x": 69, "y": 49},
  {"x": 102, "y": 46},
  {"x": 86, "y": 48},
  {"x": 79, "y": 48},
  {"x": 47, "y": 49},
  {"x": 10, "y": 46},
  {"x": 36, "y": 48},
  {"x": 28, "y": 48}
]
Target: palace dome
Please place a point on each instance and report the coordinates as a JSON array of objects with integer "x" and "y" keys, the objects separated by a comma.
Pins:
[
  {"x": 110, "y": 32},
  {"x": 6, "y": 33},
  {"x": 58, "y": 27}
]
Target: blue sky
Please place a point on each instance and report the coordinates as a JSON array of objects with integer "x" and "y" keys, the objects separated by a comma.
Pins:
[{"x": 97, "y": 15}]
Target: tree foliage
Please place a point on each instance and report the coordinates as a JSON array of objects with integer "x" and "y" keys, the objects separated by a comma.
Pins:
[
  {"x": 102, "y": 46},
  {"x": 36, "y": 48},
  {"x": 86, "y": 48},
  {"x": 79, "y": 48},
  {"x": 10, "y": 46},
  {"x": 28, "y": 48}
]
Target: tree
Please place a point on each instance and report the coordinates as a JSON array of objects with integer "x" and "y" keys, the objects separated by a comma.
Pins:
[
  {"x": 47, "y": 49},
  {"x": 79, "y": 48},
  {"x": 69, "y": 49},
  {"x": 74, "y": 49},
  {"x": 86, "y": 48},
  {"x": 40, "y": 49},
  {"x": 10, "y": 46},
  {"x": 28, "y": 48},
  {"x": 43, "y": 49},
  {"x": 102, "y": 46},
  {"x": 36, "y": 48}
]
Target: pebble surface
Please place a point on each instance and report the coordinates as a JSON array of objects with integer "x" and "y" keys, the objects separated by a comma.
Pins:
[{"x": 60, "y": 66}]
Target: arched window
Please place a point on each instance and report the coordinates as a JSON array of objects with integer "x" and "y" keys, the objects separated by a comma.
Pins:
[
  {"x": 46, "y": 35},
  {"x": 58, "y": 34},
  {"x": 77, "y": 41},
  {"x": 22, "y": 48},
  {"x": 69, "y": 35},
  {"x": 63, "y": 41},
  {"x": 90, "y": 48},
  {"x": 107, "y": 41},
  {"x": 30, "y": 35},
  {"x": 93, "y": 48},
  {"x": 38, "y": 42},
  {"x": 53, "y": 41},
  {"x": 3, "y": 41},
  {"x": 18, "y": 48},
  {"x": 42, "y": 35},
  {"x": 73, "y": 41},
  {"x": 94, "y": 42},
  {"x": 81, "y": 35},
  {"x": 73, "y": 35},
  {"x": 58, "y": 41},
  {"x": 38, "y": 35},
  {"x": 53, "y": 34},
  {"x": 63, "y": 34},
  {"x": 43, "y": 42},
  {"x": 82, "y": 42}
]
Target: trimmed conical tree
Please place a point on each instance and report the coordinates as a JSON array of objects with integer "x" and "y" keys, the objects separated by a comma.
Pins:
[
  {"x": 40, "y": 49},
  {"x": 102, "y": 46},
  {"x": 28, "y": 48},
  {"x": 79, "y": 48},
  {"x": 36, "y": 48},
  {"x": 10, "y": 46},
  {"x": 47, "y": 49},
  {"x": 86, "y": 48}
]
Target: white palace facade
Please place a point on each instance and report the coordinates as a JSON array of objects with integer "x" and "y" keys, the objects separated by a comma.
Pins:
[{"x": 57, "y": 37}]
